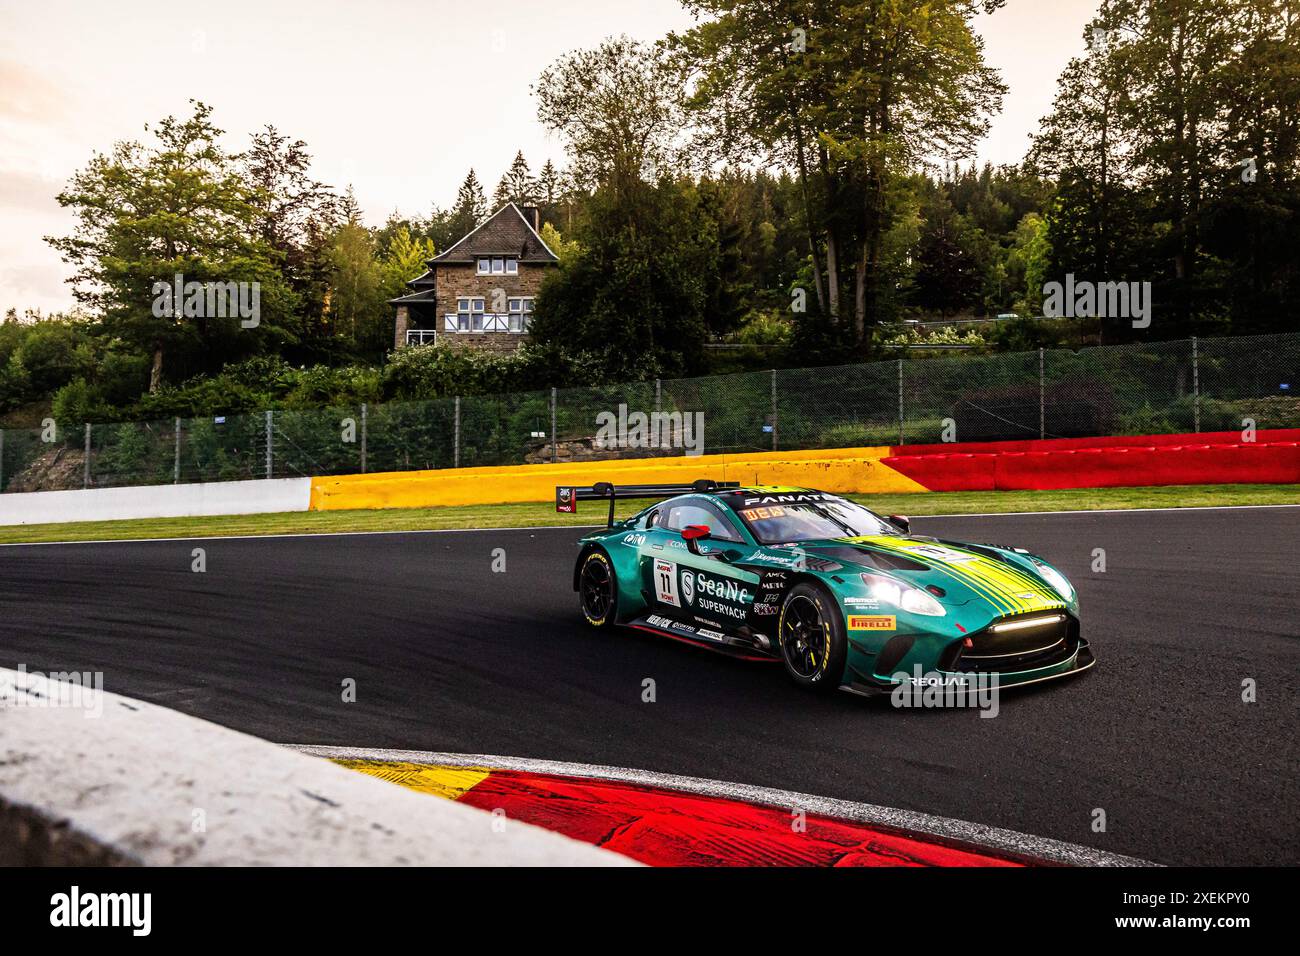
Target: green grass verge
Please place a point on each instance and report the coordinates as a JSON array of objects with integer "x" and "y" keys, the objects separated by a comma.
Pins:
[{"x": 543, "y": 514}]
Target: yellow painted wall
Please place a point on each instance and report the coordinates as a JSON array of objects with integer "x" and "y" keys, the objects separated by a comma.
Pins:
[{"x": 839, "y": 469}]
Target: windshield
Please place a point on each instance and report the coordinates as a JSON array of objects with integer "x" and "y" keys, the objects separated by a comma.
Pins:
[{"x": 808, "y": 520}]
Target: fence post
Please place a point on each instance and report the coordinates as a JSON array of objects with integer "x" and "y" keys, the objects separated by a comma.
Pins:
[
  {"x": 176, "y": 461},
  {"x": 1042, "y": 398},
  {"x": 1196, "y": 385},
  {"x": 555, "y": 450},
  {"x": 774, "y": 423},
  {"x": 900, "y": 401},
  {"x": 363, "y": 438},
  {"x": 455, "y": 453},
  {"x": 269, "y": 458},
  {"x": 85, "y": 480}
]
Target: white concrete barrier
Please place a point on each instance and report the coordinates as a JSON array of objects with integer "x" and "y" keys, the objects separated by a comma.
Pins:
[
  {"x": 95, "y": 778},
  {"x": 157, "y": 501}
]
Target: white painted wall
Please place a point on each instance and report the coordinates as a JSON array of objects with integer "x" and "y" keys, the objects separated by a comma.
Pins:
[
  {"x": 157, "y": 501},
  {"x": 128, "y": 776}
]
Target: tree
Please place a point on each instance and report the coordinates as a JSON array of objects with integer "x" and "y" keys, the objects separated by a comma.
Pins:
[
  {"x": 1027, "y": 263},
  {"x": 177, "y": 206},
  {"x": 298, "y": 215},
  {"x": 849, "y": 95},
  {"x": 403, "y": 259},
  {"x": 632, "y": 297},
  {"x": 949, "y": 275},
  {"x": 357, "y": 303},
  {"x": 471, "y": 207},
  {"x": 287, "y": 198},
  {"x": 618, "y": 109},
  {"x": 517, "y": 185}
]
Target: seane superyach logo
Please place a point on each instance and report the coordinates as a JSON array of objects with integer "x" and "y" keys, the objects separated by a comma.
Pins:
[{"x": 130, "y": 910}]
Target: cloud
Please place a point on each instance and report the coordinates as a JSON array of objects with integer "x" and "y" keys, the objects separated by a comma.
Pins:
[{"x": 28, "y": 191}]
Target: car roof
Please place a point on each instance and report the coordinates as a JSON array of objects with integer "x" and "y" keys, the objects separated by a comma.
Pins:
[{"x": 737, "y": 497}]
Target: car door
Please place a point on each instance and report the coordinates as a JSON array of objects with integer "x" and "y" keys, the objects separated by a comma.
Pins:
[{"x": 705, "y": 590}]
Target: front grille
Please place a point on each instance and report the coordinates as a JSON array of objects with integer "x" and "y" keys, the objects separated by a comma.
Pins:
[{"x": 1040, "y": 641}]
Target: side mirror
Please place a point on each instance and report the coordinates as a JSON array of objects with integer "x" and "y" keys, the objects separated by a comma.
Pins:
[
  {"x": 693, "y": 534},
  {"x": 901, "y": 522}
]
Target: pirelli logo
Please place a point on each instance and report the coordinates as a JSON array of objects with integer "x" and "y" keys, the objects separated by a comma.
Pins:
[{"x": 872, "y": 622}]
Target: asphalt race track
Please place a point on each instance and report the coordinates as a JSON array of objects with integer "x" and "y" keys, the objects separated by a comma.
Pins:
[{"x": 450, "y": 656}]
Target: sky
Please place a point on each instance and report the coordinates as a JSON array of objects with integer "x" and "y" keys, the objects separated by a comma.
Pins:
[{"x": 398, "y": 98}]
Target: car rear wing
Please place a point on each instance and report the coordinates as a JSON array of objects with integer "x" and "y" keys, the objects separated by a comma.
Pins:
[{"x": 568, "y": 496}]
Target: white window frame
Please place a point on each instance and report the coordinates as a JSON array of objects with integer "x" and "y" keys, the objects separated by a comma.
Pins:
[
  {"x": 524, "y": 313},
  {"x": 488, "y": 265}
]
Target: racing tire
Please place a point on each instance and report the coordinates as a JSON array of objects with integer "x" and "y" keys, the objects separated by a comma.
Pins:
[
  {"x": 598, "y": 589},
  {"x": 811, "y": 635}
]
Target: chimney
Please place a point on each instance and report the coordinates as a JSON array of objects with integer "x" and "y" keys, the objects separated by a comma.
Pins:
[{"x": 533, "y": 215}]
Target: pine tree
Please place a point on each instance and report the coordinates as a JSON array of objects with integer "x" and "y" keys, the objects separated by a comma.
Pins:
[
  {"x": 471, "y": 206},
  {"x": 517, "y": 185}
]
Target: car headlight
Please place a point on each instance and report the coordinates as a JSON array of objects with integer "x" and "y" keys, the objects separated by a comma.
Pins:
[
  {"x": 902, "y": 596},
  {"x": 1055, "y": 578}
]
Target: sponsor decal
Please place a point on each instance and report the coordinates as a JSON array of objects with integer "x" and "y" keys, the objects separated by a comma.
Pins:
[
  {"x": 717, "y": 595},
  {"x": 666, "y": 583},
  {"x": 939, "y": 689},
  {"x": 565, "y": 500},
  {"x": 718, "y": 607},
  {"x": 766, "y": 610},
  {"x": 758, "y": 514},
  {"x": 724, "y": 588},
  {"x": 668, "y": 624},
  {"x": 634, "y": 540},
  {"x": 789, "y": 499},
  {"x": 870, "y": 604},
  {"x": 711, "y": 635},
  {"x": 785, "y": 562},
  {"x": 873, "y": 622}
]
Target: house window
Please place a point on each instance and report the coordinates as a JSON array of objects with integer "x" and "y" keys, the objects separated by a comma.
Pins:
[
  {"x": 469, "y": 315},
  {"x": 498, "y": 266},
  {"x": 521, "y": 314}
]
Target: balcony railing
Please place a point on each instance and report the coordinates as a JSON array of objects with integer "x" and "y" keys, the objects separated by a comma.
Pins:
[{"x": 514, "y": 322}]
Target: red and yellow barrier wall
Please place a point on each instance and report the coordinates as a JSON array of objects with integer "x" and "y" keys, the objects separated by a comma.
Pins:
[
  {"x": 1211, "y": 458},
  {"x": 1122, "y": 461}
]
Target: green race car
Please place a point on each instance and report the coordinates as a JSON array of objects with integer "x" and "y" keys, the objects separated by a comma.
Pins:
[{"x": 843, "y": 597}]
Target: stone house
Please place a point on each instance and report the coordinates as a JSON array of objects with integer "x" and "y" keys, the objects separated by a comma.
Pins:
[{"x": 479, "y": 292}]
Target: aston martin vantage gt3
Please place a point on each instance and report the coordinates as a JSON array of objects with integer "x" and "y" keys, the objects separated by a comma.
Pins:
[{"x": 844, "y": 597}]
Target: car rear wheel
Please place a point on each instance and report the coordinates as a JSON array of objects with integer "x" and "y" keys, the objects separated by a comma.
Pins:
[
  {"x": 597, "y": 589},
  {"x": 811, "y": 635}
]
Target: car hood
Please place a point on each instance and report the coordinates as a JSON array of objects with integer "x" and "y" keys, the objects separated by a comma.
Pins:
[{"x": 964, "y": 573}]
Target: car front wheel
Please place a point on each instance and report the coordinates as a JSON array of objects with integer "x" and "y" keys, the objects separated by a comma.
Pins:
[{"x": 813, "y": 643}]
